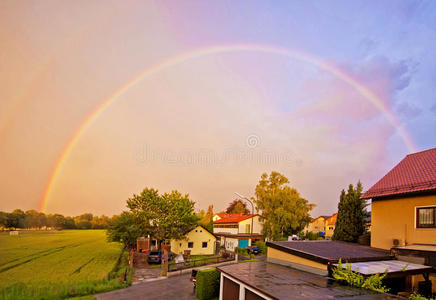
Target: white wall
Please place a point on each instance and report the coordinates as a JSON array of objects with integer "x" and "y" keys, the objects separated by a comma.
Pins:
[
  {"x": 231, "y": 244},
  {"x": 226, "y": 230},
  {"x": 257, "y": 225}
]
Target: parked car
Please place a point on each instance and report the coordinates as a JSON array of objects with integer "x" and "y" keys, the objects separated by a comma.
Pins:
[
  {"x": 253, "y": 250},
  {"x": 156, "y": 256}
]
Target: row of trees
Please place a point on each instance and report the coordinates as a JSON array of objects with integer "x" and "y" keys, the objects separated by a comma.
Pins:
[
  {"x": 171, "y": 215},
  {"x": 33, "y": 219}
]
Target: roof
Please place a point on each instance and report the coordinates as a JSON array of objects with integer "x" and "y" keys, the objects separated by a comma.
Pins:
[
  {"x": 280, "y": 282},
  {"x": 332, "y": 219},
  {"x": 239, "y": 235},
  {"x": 221, "y": 215},
  {"x": 324, "y": 217},
  {"x": 391, "y": 267},
  {"x": 204, "y": 228},
  {"x": 415, "y": 173},
  {"x": 234, "y": 218},
  {"x": 331, "y": 251}
]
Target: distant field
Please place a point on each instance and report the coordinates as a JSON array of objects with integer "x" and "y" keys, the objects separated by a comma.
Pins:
[{"x": 57, "y": 264}]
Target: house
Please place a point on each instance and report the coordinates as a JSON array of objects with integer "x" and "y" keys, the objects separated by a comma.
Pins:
[
  {"x": 235, "y": 230},
  {"x": 404, "y": 202},
  {"x": 317, "y": 225},
  {"x": 199, "y": 241},
  {"x": 403, "y": 210},
  {"x": 330, "y": 224},
  {"x": 323, "y": 225}
]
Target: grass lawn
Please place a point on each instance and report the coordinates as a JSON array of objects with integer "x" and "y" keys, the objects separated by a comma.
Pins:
[{"x": 58, "y": 264}]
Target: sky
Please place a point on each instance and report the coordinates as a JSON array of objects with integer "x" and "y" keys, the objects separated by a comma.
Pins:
[{"x": 100, "y": 99}]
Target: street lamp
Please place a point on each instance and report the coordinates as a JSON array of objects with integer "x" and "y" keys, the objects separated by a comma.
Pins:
[{"x": 252, "y": 211}]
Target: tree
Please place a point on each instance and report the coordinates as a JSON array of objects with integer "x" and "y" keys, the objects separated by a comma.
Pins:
[
  {"x": 83, "y": 221},
  {"x": 237, "y": 207},
  {"x": 16, "y": 219},
  {"x": 3, "y": 219},
  {"x": 125, "y": 229},
  {"x": 167, "y": 216},
  {"x": 351, "y": 214},
  {"x": 207, "y": 220},
  {"x": 283, "y": 210}
]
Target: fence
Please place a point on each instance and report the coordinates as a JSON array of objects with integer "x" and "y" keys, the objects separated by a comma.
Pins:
[{"x": 172, "y": 266}]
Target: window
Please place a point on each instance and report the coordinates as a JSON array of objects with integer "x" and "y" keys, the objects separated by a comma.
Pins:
[
  {"x": 425, "y": 217},
  {"x": 190, "y": 244},
  {"x": 247, "y": 228},
  {"x": 331, "y": 228},
  {"x": 204, "y": 245}
]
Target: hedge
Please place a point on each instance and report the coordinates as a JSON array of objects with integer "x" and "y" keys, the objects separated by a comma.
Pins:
[{"x": 208, "y": 284}]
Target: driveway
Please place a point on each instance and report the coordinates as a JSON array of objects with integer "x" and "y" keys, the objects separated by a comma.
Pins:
[{"x": 176, "y": 287}]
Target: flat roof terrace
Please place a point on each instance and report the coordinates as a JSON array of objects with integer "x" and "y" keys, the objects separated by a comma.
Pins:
[
  {"x": 272, "y": 281},
  {"x": 331, "y": 251}
]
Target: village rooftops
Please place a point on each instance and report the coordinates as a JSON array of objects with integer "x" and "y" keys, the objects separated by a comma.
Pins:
[
  {"x": 280, "y": 282},
  {"x": 234, "y": 218},
  {"x": 416, "y": 173},
  {"x": 331, "y": 251}
]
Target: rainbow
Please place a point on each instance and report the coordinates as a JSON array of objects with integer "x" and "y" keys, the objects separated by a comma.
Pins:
[{"x": 179, "y": 59}]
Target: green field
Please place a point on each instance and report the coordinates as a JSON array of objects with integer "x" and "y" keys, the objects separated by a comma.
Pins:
[{"x": 58, "y": 264}]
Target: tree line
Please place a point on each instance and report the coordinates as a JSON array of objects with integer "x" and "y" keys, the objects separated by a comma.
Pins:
[{"x": 32, "y": 219}]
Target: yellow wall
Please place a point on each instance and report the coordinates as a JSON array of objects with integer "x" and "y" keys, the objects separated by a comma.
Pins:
[
  {"x": 395, "y": 219},
  {"x": 198, "y": 236},
  {"x": 316, "y": 226},
  {"x": 330, "y": 223},
  {"x": 283, "y": 256},
  {"x": 329, "y": 232}
]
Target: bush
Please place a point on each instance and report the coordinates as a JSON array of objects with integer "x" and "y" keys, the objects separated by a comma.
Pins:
[
  {"x": 312, "y": 236},
  {"x": 242, "y": 251},
  {"x": 355, "y": 279},
  {"x": 208, "y": 284},
  {"x": 262, "y": 247},
  {"x": 416, "y": 296}
]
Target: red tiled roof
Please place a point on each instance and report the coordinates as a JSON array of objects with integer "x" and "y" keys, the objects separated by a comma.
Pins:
[
  {"x": 415, "y": 173},
  {"x": 332, "y": 219},
  {"x": 234, "y": 218}
]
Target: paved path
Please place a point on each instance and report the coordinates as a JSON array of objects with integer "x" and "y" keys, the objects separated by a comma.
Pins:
[{"x": 176, "y": 287}]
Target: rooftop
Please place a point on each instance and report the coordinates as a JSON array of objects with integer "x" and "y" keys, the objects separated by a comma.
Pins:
[
  {"x": 331, "y": 251},
  {"x": 393, "y": 267},
  {"x": 280, "y": 282},
  {"x": 233, "y": 218},
  {"x": 415, "y": 173}
]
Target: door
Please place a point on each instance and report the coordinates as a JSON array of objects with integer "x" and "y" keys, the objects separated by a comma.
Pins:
[
  {"x": 243, "y": 243},
  {"x": 230, "y": 289}
]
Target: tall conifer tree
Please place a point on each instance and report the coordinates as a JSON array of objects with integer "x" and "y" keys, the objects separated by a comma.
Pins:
[{"x": 351, "y": 214}]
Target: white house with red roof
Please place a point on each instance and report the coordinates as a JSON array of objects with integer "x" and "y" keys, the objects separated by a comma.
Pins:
[{"x": 237, "y": 230}]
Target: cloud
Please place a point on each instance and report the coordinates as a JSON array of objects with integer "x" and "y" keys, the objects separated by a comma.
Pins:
[{"x": 408, "y": 111}]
